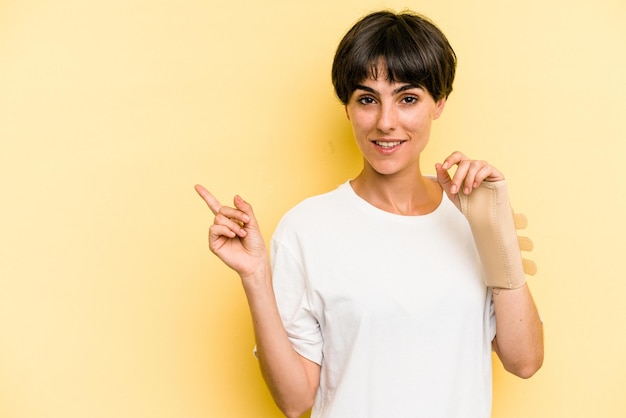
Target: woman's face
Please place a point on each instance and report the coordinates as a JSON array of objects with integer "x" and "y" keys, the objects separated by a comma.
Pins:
[{"x": 391, "y": 123}]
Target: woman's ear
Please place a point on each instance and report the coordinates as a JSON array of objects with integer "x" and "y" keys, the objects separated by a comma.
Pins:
[
  {"x": 439, "y": 106},
  {"x": 347, "y": 113}
]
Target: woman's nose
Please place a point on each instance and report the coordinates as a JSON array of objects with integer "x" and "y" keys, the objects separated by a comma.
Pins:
[{"x": 387, "y": 118}]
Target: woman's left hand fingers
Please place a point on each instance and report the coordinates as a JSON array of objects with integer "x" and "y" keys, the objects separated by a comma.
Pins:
[
  {"x": 453, "y": 159},
  {"x": 469, "y": 173}
]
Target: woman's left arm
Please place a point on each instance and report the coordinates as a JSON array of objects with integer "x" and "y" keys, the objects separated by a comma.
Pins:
[{"x": 519, "y": 331}]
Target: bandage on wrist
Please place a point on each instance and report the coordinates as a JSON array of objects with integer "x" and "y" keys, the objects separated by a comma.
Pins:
[{"x": 493, "y": 224}]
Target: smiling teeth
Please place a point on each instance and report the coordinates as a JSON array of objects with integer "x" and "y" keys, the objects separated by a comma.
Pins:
[{"x": 387, "y": 144}]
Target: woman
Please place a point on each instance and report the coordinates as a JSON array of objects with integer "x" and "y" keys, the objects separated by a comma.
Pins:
[{"x": 375, "y": 303}]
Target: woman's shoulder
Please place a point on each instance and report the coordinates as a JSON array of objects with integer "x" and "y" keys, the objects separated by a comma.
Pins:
[
  {"x": 321, "y": 203},
  {"x": 321, "y": 208}
]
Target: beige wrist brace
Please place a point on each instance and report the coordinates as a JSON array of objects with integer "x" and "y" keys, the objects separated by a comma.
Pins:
[{"x": 493, "y": 225}]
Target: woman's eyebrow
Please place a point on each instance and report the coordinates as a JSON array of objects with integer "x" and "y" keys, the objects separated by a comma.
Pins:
[
  {"x": 365, "y": 88},
  {"x": 400, "y": 89},
  {"x": 406, "y": 87}
]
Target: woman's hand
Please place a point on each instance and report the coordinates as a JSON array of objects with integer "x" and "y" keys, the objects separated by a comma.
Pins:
[
  {"x": 468, "y": 176},
  {"x": 235, "y": 236}
]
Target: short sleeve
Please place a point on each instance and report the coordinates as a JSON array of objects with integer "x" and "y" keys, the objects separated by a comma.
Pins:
[
  {"x": 292, "y": 297},
  {"x": 492, "y": 315}
]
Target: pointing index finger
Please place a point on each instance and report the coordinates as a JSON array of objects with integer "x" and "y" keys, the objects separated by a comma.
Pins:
[{"x": 210, "y": 200}]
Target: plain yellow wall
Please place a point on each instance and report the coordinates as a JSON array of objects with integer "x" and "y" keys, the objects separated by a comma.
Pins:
[{"x": 110, "y": 112}]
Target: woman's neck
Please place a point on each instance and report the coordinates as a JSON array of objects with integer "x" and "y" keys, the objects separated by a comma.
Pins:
[{"x": 408, "y": 194}]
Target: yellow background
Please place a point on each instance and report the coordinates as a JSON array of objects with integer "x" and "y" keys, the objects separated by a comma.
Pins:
[{"x": 110, "y": 111}]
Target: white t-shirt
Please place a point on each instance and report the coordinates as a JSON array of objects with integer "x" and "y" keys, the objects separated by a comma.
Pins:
[{"x": 393, "y": 308}]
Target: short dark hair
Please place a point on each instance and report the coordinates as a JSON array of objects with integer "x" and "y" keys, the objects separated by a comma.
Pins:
[{"x": 413, "y": 49}]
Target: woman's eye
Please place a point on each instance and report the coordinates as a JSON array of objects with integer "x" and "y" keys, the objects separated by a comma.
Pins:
[
  {"x": 409, "y": 99},
  {"x": 366, "y": 100}
]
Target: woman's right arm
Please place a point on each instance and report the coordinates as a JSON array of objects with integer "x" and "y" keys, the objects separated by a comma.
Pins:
[{"x": 236, "y": 239}]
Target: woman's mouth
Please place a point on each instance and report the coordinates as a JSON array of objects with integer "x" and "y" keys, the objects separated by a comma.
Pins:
[{"x": 387, "y": 146}]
